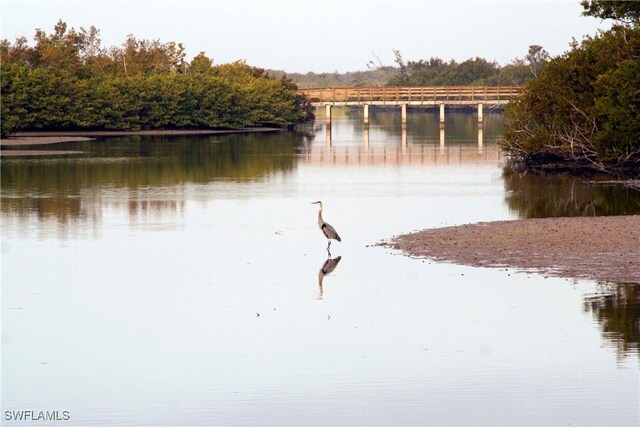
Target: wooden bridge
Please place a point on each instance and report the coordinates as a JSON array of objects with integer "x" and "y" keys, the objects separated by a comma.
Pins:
[{"x": 403, "y": 96}]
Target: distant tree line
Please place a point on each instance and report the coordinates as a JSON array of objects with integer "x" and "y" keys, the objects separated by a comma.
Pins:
[
  {"x": 372, "y": 77},
  {"x": 583, "y": 110},
  {"x": 69, "y": 81},
  {"x": 431, "y": 72},
  {"x": 472, "y": 72}
]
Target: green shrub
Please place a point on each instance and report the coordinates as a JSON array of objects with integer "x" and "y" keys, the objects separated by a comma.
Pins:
[
  {"x": 583, "y": 107},
  {"x": 67, "y": 81}
]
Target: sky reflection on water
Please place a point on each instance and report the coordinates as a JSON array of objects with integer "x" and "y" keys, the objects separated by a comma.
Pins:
[{"x": 180, "y": 282}]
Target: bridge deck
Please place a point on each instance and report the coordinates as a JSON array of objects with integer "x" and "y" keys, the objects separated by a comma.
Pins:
[{"x": 419, "y": 95}]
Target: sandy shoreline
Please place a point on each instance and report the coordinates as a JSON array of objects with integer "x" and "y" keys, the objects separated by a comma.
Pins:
[
  {"x": 39, "y": 140},
  {"x": 22, "y": 153},
  {"x": 42, "y": 138},
  {"x": 598, "y": 248}
]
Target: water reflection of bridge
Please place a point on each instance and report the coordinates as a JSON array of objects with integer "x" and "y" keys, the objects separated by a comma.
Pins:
[{"x": 403, "y": 152}]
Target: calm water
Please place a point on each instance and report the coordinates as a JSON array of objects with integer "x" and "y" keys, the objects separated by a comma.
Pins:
[{"x": 179, "y": 281}]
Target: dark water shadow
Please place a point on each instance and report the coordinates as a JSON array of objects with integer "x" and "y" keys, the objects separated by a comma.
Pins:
[
  {"x": 616, "y": 309},
  {"x": 532, "y": 195},
  {"x": 148, "y": 173},
  {"x": 615, "y": 306}
]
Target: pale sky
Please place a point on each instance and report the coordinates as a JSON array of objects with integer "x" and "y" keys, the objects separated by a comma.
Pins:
[{"x": 320, "y": 36}]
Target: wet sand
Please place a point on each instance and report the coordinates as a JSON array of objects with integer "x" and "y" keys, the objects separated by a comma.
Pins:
[
  {"x": 38, "y": 138},
  {"x": 22, "y": 153},
  {"x": 598, "y": 248}
]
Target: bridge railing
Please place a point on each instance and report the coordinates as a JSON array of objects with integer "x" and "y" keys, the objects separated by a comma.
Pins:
[{"x": 414, "y": 94}]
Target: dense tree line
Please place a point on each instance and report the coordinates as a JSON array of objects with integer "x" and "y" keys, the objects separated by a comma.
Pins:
[
  {"x": 431, "y": 72},
  {"x": 378, "y": 76},
  {"x": 69, "y": 81},
  {"x": 584, "y": 107},
  {"x": 474, "y": 71}
]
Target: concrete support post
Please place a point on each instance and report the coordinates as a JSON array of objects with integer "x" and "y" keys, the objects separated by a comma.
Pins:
[
  {"x": 366, "y": 114},
  {"x": 404, "y": 114},
  {"x": 480, "y": 139},
  {"x": 328, "y": 113},
  {"x": 479, "y": 114},
  {"x": 442, "y": 140},
  {"x": 441, "y": 116}
]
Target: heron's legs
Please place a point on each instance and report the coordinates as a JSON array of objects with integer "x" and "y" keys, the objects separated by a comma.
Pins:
[{"x": 328, "y": 248}]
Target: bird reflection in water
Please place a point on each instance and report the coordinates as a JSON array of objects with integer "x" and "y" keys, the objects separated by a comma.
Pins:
[{"x": 329, "y": 265}]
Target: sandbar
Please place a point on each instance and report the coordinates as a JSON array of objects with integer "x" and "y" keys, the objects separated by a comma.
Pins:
[
  {"x": 53, "y": 137},
  {"x": 22, "y": 153},
  {"x": 596, "y": 248}
]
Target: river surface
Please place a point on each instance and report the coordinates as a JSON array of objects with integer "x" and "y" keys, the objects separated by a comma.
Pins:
[{"x": 180, "y": 281}]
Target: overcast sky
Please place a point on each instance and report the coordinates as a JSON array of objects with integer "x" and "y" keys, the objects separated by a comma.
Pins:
[{"x": 322, "y": 35}]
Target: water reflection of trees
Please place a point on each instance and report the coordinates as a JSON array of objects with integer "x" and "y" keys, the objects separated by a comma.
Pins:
[
  {"x": 616, "y": 308},
  {"x": 539, "y": 196},
  {"x": 127, "y": 173}
]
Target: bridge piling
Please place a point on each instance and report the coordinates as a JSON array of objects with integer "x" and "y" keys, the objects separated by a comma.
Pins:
[{"x": 421, "y": 96}]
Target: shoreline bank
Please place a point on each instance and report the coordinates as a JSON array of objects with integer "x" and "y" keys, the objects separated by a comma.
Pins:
[
  {"x": 552, "y": 164},
  {"x": 57, "y": 137},
  {"x": 596, "y": 248},
  {"x": 23, "y": 153}
]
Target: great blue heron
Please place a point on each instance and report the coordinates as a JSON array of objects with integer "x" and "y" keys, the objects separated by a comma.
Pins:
[{"x": 328, "y": 231}]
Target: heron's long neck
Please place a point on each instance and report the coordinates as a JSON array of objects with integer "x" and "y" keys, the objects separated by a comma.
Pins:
[{"x": 320, "y": 221}]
